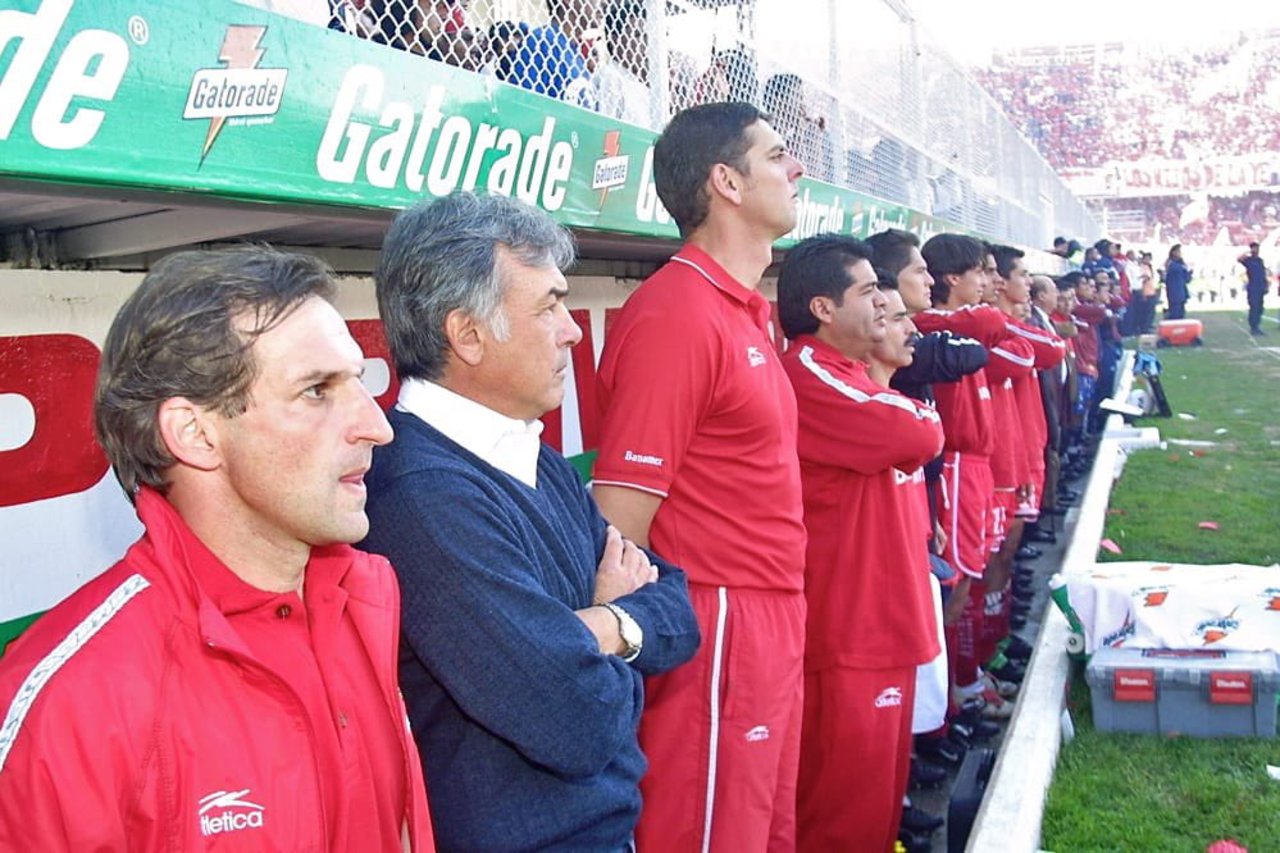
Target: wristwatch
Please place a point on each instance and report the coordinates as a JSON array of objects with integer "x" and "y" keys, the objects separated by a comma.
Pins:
[{"x": 630, "y": 630}]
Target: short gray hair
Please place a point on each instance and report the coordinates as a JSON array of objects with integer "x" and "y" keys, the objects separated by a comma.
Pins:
[{"x": 442, "y": 256}]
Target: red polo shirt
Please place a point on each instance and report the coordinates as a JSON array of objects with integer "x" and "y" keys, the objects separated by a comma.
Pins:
[
  {"x": 696, "y": 409},
  {"x": 309, "y": 643},
  {"x": 867, "y": 565}
]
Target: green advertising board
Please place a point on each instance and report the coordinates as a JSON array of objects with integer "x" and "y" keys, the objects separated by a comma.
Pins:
[{"x": 211, "y": 97}]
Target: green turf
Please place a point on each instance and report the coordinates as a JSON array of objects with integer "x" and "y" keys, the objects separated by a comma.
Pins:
[
  {"x": 1229, "y": 384},
  {"x": 1134, "y": 792}
]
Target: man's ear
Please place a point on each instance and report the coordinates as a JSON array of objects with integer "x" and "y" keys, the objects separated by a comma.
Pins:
[
  {"x": 726, "y": 182},
  {"x": 189, "y": 433},
  {"x": 823, "y": 309},
  {"x": 466, "y": 337}
]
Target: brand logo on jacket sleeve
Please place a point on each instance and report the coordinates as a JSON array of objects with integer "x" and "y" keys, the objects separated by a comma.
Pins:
[{"x": 228, "y": 811}]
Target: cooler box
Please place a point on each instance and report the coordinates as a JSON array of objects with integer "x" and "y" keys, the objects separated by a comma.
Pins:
[
  {"x": 1198, "y": 692},
  {"x": 1179, "y": 333}
]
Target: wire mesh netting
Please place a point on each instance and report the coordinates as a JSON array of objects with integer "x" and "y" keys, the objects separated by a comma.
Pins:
[{"x": 864, "y": 99}]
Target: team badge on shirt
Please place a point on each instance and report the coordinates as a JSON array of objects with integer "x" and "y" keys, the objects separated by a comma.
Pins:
[{"x": 755, "y": 357}]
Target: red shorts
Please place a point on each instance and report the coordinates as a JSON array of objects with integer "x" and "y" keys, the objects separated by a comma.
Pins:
[
  {"x": 855, "y": 758},
  {"x": 966, "y": 513},
  {"x": 722, "y": 732},
  {"x": 1004, "y": 507}
]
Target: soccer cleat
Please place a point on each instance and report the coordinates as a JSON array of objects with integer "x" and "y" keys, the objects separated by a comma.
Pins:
[
  {"x": 940, "y": 750},
  {"x": 916, "y": 819},
  {"x": 1027, "y": 552},
  {"x": 1016, "y": 648},
  {"x": 1004, "y": 689},
  {"x": 926, "y": 775}
]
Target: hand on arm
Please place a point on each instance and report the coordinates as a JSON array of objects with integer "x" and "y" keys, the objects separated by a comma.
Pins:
[{"x": 623, "y": 569}]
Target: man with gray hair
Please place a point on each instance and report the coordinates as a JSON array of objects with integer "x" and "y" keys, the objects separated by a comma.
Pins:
[
  {"x": 198, "y": 694},
  {"x": 528, "y": 620}
]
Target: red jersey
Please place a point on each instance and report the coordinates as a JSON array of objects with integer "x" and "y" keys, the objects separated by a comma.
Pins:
[
  {"x": 1011, "y": 360},
  {"x": 965, "y": 406},
  {"x": 1048, "y": 348},
  {"x": 867, "y": 564},
  {"x": 696, "y": 409},
  {"x": 1089, "y": 319}
]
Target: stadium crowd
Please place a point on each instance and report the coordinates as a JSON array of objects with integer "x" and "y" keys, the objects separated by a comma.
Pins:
[
  {"x": 791, "y": 592},
  {"x": 1127, "y": 106}
]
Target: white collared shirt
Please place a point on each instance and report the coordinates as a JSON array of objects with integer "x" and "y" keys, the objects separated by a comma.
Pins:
[{"x": 507, "y": 444}]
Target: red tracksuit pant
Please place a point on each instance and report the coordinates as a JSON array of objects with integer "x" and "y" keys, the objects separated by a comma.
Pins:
[
  {"x": 855, "y": 758},
  {"x": 722, "y": 732}
]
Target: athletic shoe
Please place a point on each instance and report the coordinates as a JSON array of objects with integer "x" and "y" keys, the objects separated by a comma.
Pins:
[
  {"x": 926, "y": 775},
  {"x": 1006, "y": 670},
  {"x": 916, "y": 819},
  {"x": 1016, "y": 648},
  {"x": 1005, "y": 689},
  {"x": 940, "y": 750},
  {"x": 913, "y": 843},
  {"x": 1027, "y": 552}
]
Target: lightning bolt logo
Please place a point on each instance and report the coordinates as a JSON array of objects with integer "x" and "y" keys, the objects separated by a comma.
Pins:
[
  {"x": 239, "y": 50},
  {"x": 612, "y": 148}
]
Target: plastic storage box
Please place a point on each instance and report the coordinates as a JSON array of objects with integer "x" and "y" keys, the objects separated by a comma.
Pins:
[
  {"x": 1198, "y": 692},
  {"x": 1180, "y": 333}
]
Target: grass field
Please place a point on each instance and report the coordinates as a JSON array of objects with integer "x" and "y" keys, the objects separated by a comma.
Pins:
[{"x": 1127, "y": 792}]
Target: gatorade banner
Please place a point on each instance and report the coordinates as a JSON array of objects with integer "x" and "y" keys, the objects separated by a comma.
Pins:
[
  {"x": 213, "y": 97},
  {"x": 1177, "y": 606}
]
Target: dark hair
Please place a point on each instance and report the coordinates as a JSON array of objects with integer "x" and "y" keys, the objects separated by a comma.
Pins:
[
  {"x": 893, "y": 249},
  {"x": 1176, "y": 247},
  {"x": 779, "y": 91},
  {"x": 951, "y": 254},
  {"x": 616, "y": 16},
  {"x": 1005, "y": 256},
  {"x": 442, "y": 256},
  {"x": 690, "y": 146},
  {"x": 1254, "y": 245},
  {"x": 188, "y": 331},
  {"x": 1071, "y": 280},
  {"x": 817, "y": 266},
  {"x": 1103, "y": 246},
  {"x": 885, "y": 280},
  {"x": 1059, "y": 241}
]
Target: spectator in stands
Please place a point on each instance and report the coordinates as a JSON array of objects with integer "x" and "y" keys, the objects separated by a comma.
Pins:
[
  {"x": 1060, "y": 247},
  {"x": 1177, "y": 278},
  {"x": 504, "y": 42},
  {"x": 1256, "y": 275},
  {"x": 198, "y": 693},
  {"x": 788, "y": 111},
  {"x": 528, "y": 621},
  {"x": 551, "y": 59},
  {"x": 622, "y": 81},
  {"x": 866, "y": 539},
  {"x": 697, "y": 413}
]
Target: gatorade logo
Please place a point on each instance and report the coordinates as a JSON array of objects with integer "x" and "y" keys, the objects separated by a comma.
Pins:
[
  {"x": 415, "y": 146},
  {"x": 85, "y": 76},
  {"x": 238, "y": 91}
]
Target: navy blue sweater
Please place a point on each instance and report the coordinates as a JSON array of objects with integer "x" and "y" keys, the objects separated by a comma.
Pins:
[{"x": 527, "y": 732}]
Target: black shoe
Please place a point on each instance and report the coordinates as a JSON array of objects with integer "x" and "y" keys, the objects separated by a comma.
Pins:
[
  {"x": 913, "y": 843},
  {"x": 916, "y": 819},
  {"x": 1027, "y": 552},
  {"x": 1037, "y": 534},
  {"x": 1018, "y": 649},
  {"x": 1020, "y": 608},
  {"x": 940, "y": 750},
  {"x": 1010, "y": 671},
  {"x": 1016, "y": 622},
  {"x": 1068, "y": 495},
  {"x": 926, "y": 775},
  {"x": 1022, "y": 598},
  {"x": 1053, "y": 510},
  {"x": 977, "y": 731}
]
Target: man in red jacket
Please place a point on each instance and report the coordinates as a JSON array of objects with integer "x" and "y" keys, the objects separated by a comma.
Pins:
[
  {"x": 198, "y": 693},
  {"x": 871, "y": 618}
]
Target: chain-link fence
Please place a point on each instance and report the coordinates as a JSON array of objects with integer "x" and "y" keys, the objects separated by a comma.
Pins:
[{"x": 863, "y": 97}]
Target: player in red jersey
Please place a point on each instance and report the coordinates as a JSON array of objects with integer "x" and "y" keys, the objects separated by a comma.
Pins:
[
  {"x": 871, "y": 615},
  {"x": 698, "y": 460}
]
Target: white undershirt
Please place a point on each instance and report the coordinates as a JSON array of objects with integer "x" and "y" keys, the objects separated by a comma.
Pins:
[{"x": 508, "y": 444}]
